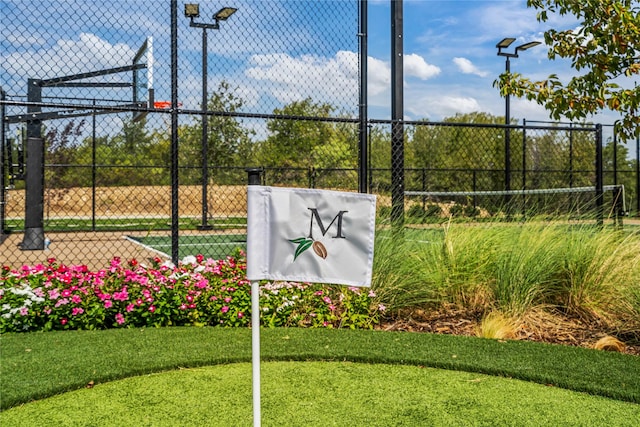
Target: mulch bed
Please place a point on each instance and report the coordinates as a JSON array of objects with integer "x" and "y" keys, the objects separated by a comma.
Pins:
[{"x": 547, "y": 328}]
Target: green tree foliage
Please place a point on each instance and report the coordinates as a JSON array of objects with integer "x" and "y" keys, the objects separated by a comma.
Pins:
[
  {"x": 604, "y": 48},
  {"x": 453, "y": 157},
  {"x": 229, "y": 141},
  {"x": 300, "y": 145},
  {"x": 60, "y": 149}
]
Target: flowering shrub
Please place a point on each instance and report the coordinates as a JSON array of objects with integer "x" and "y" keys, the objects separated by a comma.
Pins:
[{"x": 196, "y": 292}]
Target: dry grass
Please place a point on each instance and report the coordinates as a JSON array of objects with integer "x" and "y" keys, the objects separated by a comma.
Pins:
[
  {"x": 497, "y": 325},
  {"x": 609, "y": 343},
  {"x": 223, "y": 201}
]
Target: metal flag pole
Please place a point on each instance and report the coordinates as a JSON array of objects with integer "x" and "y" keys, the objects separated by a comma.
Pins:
[{"x": 254, "y": 179}]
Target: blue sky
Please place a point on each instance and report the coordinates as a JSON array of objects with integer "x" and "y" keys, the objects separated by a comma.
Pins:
[
  {"x": 450, "y": 54},
  {"x": 452, "y": 45}
]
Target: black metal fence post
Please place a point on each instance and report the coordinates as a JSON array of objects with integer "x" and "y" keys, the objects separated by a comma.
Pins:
[
  {"x": 397, "y": 115},
  {"x": 254, "y": 176},
  {"x": 175, "y": 232},
  {"x": 363, "y": 156},
  {"x": 599, "y": 177},
  {"x": 638, "y": 176}
]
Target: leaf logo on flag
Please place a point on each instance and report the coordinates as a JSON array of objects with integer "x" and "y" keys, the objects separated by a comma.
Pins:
[{"x": 305, "y": 243}]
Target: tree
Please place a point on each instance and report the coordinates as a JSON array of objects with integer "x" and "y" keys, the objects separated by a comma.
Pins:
[
  {"x": 604, "y": 47},
  {"x": 229, "y": 142}
]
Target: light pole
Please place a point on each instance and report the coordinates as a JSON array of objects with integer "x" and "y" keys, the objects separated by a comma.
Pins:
[
  {"x": 192, "y": 11},
  {"x": 503, "y": 44}
]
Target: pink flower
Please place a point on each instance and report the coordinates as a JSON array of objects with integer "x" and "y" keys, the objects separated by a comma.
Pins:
[
  {"x": 327, "y": 300},
  {"x": 191, "y": 306},
  {"x": 189, "y": 298},
  {"x": 76, "y": 299},
  {"x": 224, "y": 309},
  {"x": 332, "y": 307},
  {"x": 47, "y": 311},
  {"x": 227, "y": 300},
  {"x": 240, "y": 315},
  {"x": 372, "y": 294},
  {"x": 24, "y": 311},
  {"x": 381, "y": 307},
  {"x": 62, "y": 301},
  {"x": 119, "y": 318},
  {"x": 152, "y": 308},
  {"x": 54, "y": 293},
  {"x": 108, "y": 304},
  {"x": 130, "y": 308},
  {"x": 122, "y": 295},
  {"x": 63, "y": 321},
  {"x": 183, "y": 306},
  {"x": 77, "y": 310}
]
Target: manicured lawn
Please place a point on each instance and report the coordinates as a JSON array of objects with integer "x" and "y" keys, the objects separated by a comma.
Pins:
[
  {"x": 39, "y": 365},
  {"x": 323, "y": 394}
]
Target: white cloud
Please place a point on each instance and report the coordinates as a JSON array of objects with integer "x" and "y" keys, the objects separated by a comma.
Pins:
[
  {"x": 416, "y": 66},
  {"x": 437, "y": 108},
  {"x": 378, "y": 76},
  {"x": 287, "y": 78},
  {"x": 467, "y": 67},
  {"x": 86, "y": 53}
]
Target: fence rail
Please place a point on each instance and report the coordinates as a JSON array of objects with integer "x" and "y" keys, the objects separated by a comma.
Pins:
[{"x": 110, "y": 138}]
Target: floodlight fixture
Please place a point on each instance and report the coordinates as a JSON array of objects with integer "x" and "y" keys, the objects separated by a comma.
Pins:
[
  {"x": 191, "y": 10},
  {"x": 527, "y": 46},
  {"x": 505, "y": 43},
  {"x": 224, "y": 13}
]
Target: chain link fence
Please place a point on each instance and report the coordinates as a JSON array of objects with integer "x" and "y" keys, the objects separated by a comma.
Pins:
[{"x": 96, "y": 163}]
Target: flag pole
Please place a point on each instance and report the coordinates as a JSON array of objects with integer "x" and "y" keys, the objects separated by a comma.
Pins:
[
  {"x": 255, "y": 350},
  {"x": 254, "y": 178}
]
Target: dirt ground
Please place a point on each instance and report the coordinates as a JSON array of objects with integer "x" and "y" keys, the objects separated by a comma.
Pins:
[{"x": 94, "y": 250}]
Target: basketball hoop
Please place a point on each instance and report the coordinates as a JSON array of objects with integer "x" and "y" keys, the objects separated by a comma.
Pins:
[{"x": 164, "y": 104}]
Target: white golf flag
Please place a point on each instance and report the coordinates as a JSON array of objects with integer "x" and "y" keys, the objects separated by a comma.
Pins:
[{"x": 304, "y": 235}]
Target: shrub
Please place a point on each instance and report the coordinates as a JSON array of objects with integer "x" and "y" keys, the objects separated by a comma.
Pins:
[{"x": 196, "y": 292}]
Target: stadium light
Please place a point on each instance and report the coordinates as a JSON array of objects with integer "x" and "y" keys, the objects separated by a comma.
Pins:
[
  {"x": 503, "y": 44},
  {"x": 224, "y": 13},
  {"x": 192, "y": 11}
]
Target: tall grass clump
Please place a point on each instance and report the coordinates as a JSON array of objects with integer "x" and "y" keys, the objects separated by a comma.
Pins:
[
  {"x": 526, "y": 263},
  {"x": 516, "y": 269},
  {"x": 601, "y": 272}
]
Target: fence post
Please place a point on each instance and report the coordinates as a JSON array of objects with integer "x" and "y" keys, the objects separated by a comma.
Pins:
[
  {"x": 254, "y": 176},
  {"x": 3, "y": 159},
  {"x": 397, "y": 115},
  {"x": 175, "y": 225},
  {"x": 363, "y": 166},
  {"x": 638, "y": 176},
  {"x": 599, "y": 176}
]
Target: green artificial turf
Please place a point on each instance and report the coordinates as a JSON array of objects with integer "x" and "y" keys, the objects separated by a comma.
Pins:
[
  {"x": 322, "y": 394},
  {"x": 37, "y": 365}
]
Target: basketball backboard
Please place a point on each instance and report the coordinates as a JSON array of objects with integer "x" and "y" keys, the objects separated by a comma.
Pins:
[{"x": 143, "y": 78}]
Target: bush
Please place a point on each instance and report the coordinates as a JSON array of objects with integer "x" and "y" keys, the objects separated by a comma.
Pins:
[{"x": 195, "y": 292}]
